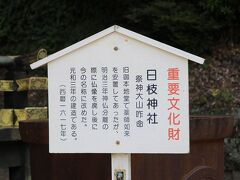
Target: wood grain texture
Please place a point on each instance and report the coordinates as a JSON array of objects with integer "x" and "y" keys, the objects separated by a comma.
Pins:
[
  {"x": 12, "y": 117},
  {"x": 205, "y": 160},
  {"x": 7, "y": 85}
]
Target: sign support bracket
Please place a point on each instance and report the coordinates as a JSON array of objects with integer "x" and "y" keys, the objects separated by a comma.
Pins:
[{"x": 121, "y": 166}]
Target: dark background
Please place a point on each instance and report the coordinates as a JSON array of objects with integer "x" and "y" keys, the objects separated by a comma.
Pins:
[
  {"x": 191, "y": 25},
  {"x": 208, "y": 28}
]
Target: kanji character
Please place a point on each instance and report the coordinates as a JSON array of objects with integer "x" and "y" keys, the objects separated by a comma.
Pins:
[
  {"x": 173, "y": 119},
  {"x": 173, "y": 74},
  {"x": 151, "y": 89},
  {"x": 152, "y": 103},
  {"x": 173, "y": 101},
  {"x": 173, "y": 133},
  {"x": 173, "y": 88},
  {"x": 152, "y": 118},
  {"x": 151, "y": 74}
]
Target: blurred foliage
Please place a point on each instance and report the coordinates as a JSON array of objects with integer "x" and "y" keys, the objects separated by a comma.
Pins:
[
  {"x": 232, "y": 151},
  {"x": 215, "y": 87},
  {"x": 209, "y": 28},
  {"x": 195, "y": 26},
  {"x": 220, "y": 102},
  {"x": 29, "y": 25}
]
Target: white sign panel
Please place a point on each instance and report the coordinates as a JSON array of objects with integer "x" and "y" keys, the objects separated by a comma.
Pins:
[{"x": 118, "y": 95}]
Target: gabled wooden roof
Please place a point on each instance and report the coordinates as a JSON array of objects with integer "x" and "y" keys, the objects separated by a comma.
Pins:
[{"x": 125, "y": 32}]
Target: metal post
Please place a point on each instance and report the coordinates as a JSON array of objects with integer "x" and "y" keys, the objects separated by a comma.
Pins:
[{"x": 121, "y": 166}]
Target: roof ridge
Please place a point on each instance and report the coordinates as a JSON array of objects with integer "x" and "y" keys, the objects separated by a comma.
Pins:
[{"x": 126, "y": 32}]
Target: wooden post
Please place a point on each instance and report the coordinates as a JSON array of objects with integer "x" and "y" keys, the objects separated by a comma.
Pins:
[{"x": 121, "y": 166}]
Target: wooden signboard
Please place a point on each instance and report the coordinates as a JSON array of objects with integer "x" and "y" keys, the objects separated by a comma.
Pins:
[{"x": 118, "y": 92}]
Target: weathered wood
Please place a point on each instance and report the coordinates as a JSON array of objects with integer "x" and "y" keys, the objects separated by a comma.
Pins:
[
  {"x": 6, "y": 117},
  {"x": 22, "y": 99},
  {"x": 40, "y": 54},
  {"x": 2, "y": 76},
  {"x": 24, "y": 92},
  {"x": 10, "y": 117},
  {"x": 212, "y": 127},
  {"x": 9, "y": 134},
  {"x": 17, "y": 100},
  {"x": 37, "y": 98},
  {"x": 33, "y": 113},
  {"x": 12, "y": 156},
  {"x": 13, "y": 74},
  {"x": 204, "y": 160},
  {"x": 3, "y": 71},
  {"x": 27, "y": 59},
  {"x": 32, "y": 83},
  {"x": 1, "y": 99},
  {"x": 14, "y": 99},
  {"x": 7, "y": 85}
]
